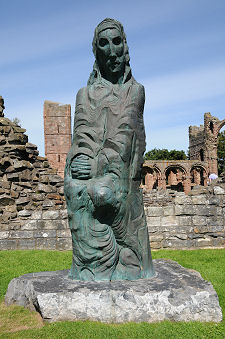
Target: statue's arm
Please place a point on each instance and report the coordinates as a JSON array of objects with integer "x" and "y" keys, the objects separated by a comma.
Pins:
[{"x": 80, "y": 165}]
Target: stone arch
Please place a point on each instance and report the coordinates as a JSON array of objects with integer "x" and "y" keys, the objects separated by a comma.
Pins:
[
  {"x": 198, "y": 175},
  {"x": 220, "y": 160},
  {"x": 175, "y": 176},
  {"x": 220, "y": 126},
  {"x": 151, "y": 177}
]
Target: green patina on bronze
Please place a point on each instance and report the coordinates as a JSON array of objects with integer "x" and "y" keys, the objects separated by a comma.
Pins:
[{"x": 103, "y": 168}]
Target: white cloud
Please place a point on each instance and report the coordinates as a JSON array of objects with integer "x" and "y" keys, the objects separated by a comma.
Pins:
[{"x": 186, "y": 86}]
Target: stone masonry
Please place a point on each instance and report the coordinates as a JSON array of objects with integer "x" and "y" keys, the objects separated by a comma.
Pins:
[
  {"x": 57, "y": 131},
  {"x": 32, "y": 205},
  {"x": 176, "y": 220}
]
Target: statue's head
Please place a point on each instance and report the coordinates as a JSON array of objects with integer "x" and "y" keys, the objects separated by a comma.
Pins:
[
  {"x": 111, "y": 52},
  {"x": 2, "y": 107}
]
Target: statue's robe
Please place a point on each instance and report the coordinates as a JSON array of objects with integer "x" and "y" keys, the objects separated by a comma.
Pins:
[{"x": 106, "y": 216}]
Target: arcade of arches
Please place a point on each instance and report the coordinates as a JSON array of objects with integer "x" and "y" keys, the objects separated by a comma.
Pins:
[
  {"x": 178, "y": 175},
  {"x": 182, "y": 175}
]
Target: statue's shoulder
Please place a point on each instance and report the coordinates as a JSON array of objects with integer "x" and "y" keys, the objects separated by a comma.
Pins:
[
  {"x": 81, "y": 94},
  {"x": 138, "y": 89}
]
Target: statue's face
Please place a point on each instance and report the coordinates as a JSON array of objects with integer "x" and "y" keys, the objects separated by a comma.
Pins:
[{"x": 110, "y": 53}]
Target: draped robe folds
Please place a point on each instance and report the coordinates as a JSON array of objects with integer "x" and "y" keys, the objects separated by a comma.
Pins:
[{"x": 105, "y": 212}]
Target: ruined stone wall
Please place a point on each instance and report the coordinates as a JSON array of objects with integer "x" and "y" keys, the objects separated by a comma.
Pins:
[
  {"x": 196, "y": 142},
  {"x": 32, "y": 205},
  {"x": 203, "y": 141},
  {"x": 33, "y": 213}
]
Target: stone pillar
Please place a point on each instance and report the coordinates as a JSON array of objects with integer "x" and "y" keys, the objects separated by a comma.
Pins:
[
  {"x": 57, "y": 131},
  {"x": 187, "y": 185},
  {"x": 149, "y": 180},
  {"x": 197, "y": 176}
]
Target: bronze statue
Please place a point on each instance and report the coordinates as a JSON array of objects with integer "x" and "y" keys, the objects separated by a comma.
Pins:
[{"x": 103, "y": 168}]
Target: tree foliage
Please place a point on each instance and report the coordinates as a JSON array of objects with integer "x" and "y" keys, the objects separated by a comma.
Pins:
[
  {"x": 221, "y": 152},
  {"x": 165, "y": 154}
]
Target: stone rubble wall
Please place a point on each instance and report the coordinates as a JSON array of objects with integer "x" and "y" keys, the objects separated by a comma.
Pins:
[
  {"x": 32, "y": 204},
  {"x": 33, "y": 212}
]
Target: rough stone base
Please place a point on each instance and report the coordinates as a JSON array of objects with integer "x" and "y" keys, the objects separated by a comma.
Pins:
[{"x": 175, "y": 293}]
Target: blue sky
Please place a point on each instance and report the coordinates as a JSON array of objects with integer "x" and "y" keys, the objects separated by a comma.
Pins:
[{"x": 177, "y": 50}]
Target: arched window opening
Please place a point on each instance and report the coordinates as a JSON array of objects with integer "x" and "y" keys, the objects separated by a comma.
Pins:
[
  {"x": 149, "y": 178},
  {"x": 201, "y": 154},
  {"x": 211, "y": 126},
  {"x": 198, "y": 176},
  {"x": 175, "y": 178}
]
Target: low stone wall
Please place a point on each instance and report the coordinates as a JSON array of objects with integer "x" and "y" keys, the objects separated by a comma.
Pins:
[{"x": 176, "y": 220}]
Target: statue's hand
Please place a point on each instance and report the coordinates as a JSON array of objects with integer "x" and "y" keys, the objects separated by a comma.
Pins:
[{"x": 81, "y": 167}]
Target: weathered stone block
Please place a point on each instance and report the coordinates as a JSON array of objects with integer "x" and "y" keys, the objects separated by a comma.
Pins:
[
  {"x": 156, "y": 245},
  {"x": 30, "y": 225},
  {"x": 154, "y": 211},
  {"x": 37, "y": 215},
  {"x": 42, "y": 188},
  {"x": 218, "y": 190},
  {"x": 22, "y": 200},
  {"x": 64, "y": 233},
  {"x": 46, "y": 243},
  {"x": 168, "y": 210},
  {"x": 204, "y": 210},
  {"x": 216, "y": 220},
  {"x": 50, "y": 215},
  {"x": 207, "y": 242},
  {"x": 182, "y": 199},
  {"x": 219, "y": 211},
  {"x": 170, "y": 221},
  {"x": 64, "y": 244},
  {"x": 156, "y": 238},
  {"x": 45, "y": 234},
  {"x": 8, "y": 244},
  {"x": 199, "y": 199},
  {"x": 24, "y": 244},
  {"x": 4, "y": 234},
  {"x": 20, "y": 234},
  {"x": 184, "y": 210},
  {"x": 199, "y": 220},
  {"x": 24, "y": 213},
  {"x": 153, "y": 221},
  {"x": 177, "y": 243},
  {"x": 48, "y": 203},
  {"x": 185, "y": 220}
]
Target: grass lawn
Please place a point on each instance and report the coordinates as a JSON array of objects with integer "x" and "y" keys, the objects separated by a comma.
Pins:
[{"x": 17, "y": 322}]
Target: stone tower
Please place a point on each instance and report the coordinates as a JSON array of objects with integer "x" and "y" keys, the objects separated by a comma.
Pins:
[
  {"x": 57, "y": 131},
  {"x": 203, "y": 141}
]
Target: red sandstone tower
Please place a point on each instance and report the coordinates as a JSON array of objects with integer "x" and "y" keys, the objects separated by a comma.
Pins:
[{"x": 57, "y": 131}]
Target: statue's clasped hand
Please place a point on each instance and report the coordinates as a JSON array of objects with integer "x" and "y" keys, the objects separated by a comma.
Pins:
[{"x": 81, "y": 167}]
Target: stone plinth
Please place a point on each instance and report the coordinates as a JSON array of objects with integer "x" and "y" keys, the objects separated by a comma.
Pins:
[{"x": 175, "y": 293}]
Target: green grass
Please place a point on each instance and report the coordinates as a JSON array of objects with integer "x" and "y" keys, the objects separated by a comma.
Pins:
[{"x": 17, "y": 322}]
